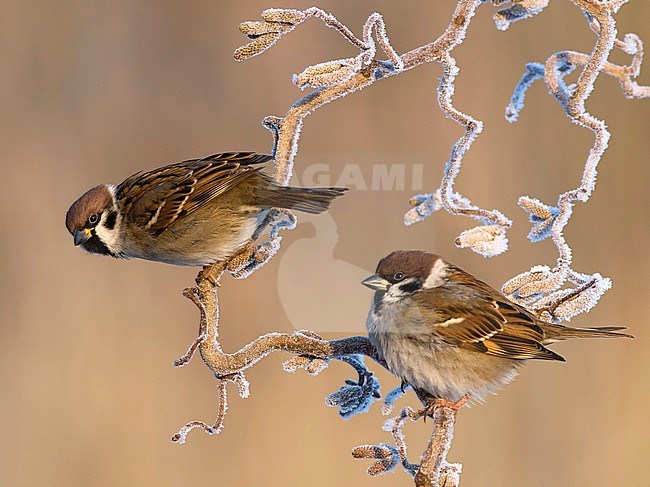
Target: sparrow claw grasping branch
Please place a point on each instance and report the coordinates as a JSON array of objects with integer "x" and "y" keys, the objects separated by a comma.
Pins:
[
  {"x": 437, "y": 403},
  {"x": 211, "y": 273},
  {"x": 256, "y": 257}
]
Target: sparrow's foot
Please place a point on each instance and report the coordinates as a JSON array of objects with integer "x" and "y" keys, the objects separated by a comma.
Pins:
[
  {"x": 241, "y": 258},
  {"x": 211, "y": 273},
  {"x": 444, "y": 403},
  {"x": 256, "y": 256}
]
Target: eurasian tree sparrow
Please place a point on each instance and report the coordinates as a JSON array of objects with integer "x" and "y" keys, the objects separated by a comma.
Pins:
[
  {"x": 191, "y": 213},
  {"x": 451, "y": 336}
]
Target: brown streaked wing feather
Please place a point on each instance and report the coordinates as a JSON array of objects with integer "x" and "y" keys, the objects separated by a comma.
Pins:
[
  {"x": 223, "y": 172},
  {"x": 506, "y": 346},
  {"x": 155, "y": 199},
  {"x": 455, "y": 318},
  {"x": 490, "y": 323},
  {"x": 144, "y": 195},
  {"x": 520, "y": 322}
]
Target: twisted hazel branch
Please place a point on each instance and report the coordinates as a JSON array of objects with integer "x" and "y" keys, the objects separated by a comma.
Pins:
[
  {"x": 300, "y": 342},
  {"x": 540, "y": 288},
  {"x": 216, "y": 427},
  {"x": 433, "y": 470},
  {"x": 211, "y": 429},
  {"x": 338, "y": 78},
  {"x": 486, "y": 240},
  {"x": 313, "y": 354}
]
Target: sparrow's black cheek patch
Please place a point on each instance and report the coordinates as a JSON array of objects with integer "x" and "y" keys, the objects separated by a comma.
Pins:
[
  {"x": 111, "y": 219},
  {"x": 411, "y": 287},
  {"x": 95, "y": 245}
]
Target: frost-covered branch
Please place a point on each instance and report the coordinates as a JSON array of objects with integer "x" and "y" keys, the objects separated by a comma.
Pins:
[
  {"x": 433, "y": 469},
  {"x": 338, "y": 78},
  {"x": 542, "y": 289},
  {"x": 487, "y": 240},
  {"x": 330, "y": 80},
  {"x": 313, "y": 354}
]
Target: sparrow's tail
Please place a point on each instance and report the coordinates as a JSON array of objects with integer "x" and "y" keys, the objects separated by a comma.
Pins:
[
  {"x": 554, "y": 333},
  {"x": 309, "y": 200}
]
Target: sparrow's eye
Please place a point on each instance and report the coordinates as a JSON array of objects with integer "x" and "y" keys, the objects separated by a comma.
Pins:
[
  {"x": 398, "y": 276},
  {"x": 92, "y": 219}
]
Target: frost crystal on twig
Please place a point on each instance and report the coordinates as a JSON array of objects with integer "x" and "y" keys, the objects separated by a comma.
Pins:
[
  {"x": 396, "y": 428},
  {"x": 211, "y": 429},
  {"x": 487, "y": 240}
]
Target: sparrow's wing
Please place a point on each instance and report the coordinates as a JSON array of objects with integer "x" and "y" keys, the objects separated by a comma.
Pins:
[
  {"x": 153, "y": 200},
  {"x": 481, "y": 319}
]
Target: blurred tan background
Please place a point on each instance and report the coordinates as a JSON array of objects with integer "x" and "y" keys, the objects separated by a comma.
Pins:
[{"x": 92, "y": 92}]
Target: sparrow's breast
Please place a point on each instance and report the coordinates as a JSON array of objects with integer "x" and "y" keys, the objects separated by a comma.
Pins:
[
  {"x": 203, "y": 237},
  {"x": 413, "y": 354}
]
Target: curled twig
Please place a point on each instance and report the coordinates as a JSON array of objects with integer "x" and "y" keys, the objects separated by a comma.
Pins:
[
  {"x": 335, "y": 79},
  {"x": 541, "y": 289},
  {"x": 487, "y": 240},
  {"x": 211, "y": 429}
]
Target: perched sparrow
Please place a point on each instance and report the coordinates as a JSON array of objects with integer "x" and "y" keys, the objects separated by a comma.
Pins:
[
  {"x": 192, "y": 213},
  {"x": 451, "y": 336}
]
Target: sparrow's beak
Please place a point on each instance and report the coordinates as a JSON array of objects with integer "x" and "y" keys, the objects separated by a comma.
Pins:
[
  {"x": 81, "y": 236},
  {"x": 376, "y": 282}
]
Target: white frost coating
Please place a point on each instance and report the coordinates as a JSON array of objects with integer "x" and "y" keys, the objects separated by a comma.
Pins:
[
  {"x": 294, "y": 363},
  {"x": 316, "y": 366},
  {"x": 243, "y": 386},
  {"x": 354, "y": 397},
  {"x": 213, "y": 429},
  {"x": 327, "y": 74},
  {"x": 396, "y": 428},
  {"x": 386, "y": 455},
  {"x": 584, "y": 301},
  {"x": 543, "y": 291},
  {"x": 265, "y": 251},
  {"x": 425, "y": 204},
  {"x": 489, "y": 242},
  {"x": 336, "y": 72}
]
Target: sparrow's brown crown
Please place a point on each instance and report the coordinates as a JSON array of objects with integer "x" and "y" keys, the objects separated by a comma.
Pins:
[
  {"x": 410, "y": 263},
  {"x": 92, "y": 202}
]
